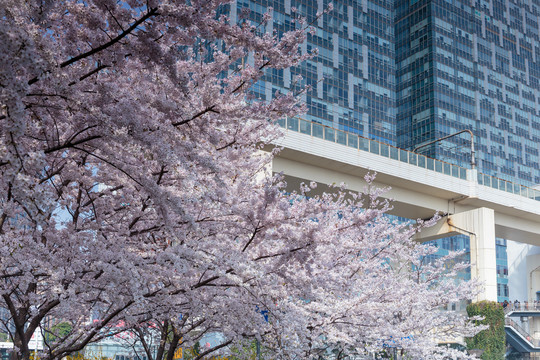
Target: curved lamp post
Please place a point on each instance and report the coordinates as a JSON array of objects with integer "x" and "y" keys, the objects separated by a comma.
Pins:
[{"x": 473, "y": 161}]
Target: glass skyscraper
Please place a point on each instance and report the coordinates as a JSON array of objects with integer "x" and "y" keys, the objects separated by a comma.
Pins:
[
  {"x": 471, "y": 65},
  {"x": 353, "y": 77},
  {"x": 407, "y": 72}
]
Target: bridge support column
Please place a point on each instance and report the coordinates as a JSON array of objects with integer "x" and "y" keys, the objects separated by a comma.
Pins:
[{"x": 479, "y": 224}]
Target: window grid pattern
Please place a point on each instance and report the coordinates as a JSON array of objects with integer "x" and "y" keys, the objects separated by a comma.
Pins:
[{"x": 471, "y": 65}]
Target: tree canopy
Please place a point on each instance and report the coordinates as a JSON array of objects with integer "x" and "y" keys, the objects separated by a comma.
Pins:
[{"x": 134, "y": 190}]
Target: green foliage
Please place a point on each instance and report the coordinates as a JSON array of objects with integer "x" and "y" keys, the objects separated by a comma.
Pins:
[
  {"x": 192, "y": 352},
  {"x": 246, "y": 350},
  {"x": 58, "y": 331},
  {"x": 81, "y": 356},
  {"x": 4, "y": 337},
  {"x": 492, "y": 340}
]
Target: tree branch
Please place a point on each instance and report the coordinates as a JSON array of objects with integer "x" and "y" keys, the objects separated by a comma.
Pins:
[
  {"x": 257, "y": 228},
  {"x": 282, "y": 253},
  {"x": 70, "y": 144},
  {"x": 96, "y": 70},
  {"x": 76, "y": 347},
  {"x": 110, "y": 163},
  {"x": 199, "y": 114},
  {"x": 209, "y": 280},
  {"x": 4, "y": 215},
  {"x": 203, "y": 354},
  {"x": 124, "y": 33},
  {"x": 227, "y": 145},
  {"x": 43, "y": 311}
]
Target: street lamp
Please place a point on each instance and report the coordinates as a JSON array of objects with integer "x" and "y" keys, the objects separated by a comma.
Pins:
[{"x": 473, "y": 161}]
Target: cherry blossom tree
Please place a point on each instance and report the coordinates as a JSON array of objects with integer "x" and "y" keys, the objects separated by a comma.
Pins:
[{"x": 134, "y": 190}]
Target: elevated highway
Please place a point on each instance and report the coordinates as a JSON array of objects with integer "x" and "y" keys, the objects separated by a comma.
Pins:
[{"x": 474, "y": 204}]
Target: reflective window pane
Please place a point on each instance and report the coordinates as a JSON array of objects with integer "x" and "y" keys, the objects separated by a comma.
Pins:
[
  {"x": 305, "y": 127},
  {"x": 374, "y": 147},
  {"x": 352, "y": 140},
  {"x": 292, "y": 124},
  {"x": 385, "y": 151},
  {"x": 317, "y": 130},
  {"x": 341, "y": 137},
  {"x": 329, "y": 134}
]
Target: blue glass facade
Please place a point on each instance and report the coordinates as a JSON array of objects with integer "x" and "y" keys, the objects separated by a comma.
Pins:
[
  {"x": 353, "y": 76},
  {"x": 502, "y": 270},
  {"x": 454, "y": 243},
  {"x": 407, "y": 72},
  {"x": 471, "y": 67}
]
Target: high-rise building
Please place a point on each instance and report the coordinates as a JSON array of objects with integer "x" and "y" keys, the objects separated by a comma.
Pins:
[
  {"x": 471, "y": 65},
  {"x": 353, "y": 77},
  {"x": 408, "y": 72}
]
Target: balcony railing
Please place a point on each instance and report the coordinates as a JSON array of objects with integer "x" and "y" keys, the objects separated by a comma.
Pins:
[
  {"x": 376, "y": 147},
  {"x": 508, "y": 186},
  {"x": 528, "y": 307}
]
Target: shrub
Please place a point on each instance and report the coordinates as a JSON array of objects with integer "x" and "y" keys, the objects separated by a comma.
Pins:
[{"x": 493, "y": 339}]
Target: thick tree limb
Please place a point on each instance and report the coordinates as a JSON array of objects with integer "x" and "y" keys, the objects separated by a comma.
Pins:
[
  {"x": 149, "y": 14},
  {"x": 123, "y": 34},
  {"x": 203, "y": 354},
  {"x": 69, "y": 144},
  {"x": 199, "y": 114}
]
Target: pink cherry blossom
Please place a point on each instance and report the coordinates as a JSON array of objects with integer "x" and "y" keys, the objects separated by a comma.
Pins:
[{"x": 133, "y": 190}]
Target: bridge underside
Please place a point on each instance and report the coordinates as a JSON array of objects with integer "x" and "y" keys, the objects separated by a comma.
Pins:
[
  {"x": 418, "y": 197},
  {"x": 481, "y": 220}
]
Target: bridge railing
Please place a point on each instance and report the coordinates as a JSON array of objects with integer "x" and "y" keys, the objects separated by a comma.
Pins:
[
  {"x": 373, "y": 146},
  {"x": 522, "y": 332},
  {"x": 376, "y": 147},
  {"x": 508, "y": 186}
]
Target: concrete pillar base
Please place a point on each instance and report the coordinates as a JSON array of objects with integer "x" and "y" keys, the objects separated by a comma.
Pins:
[{"x": 479, "y": 225}]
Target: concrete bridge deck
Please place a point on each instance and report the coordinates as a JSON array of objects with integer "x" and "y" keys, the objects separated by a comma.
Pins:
[
  {"x": 420, "y": 186},
  {"x": 478, "y": 205}
]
